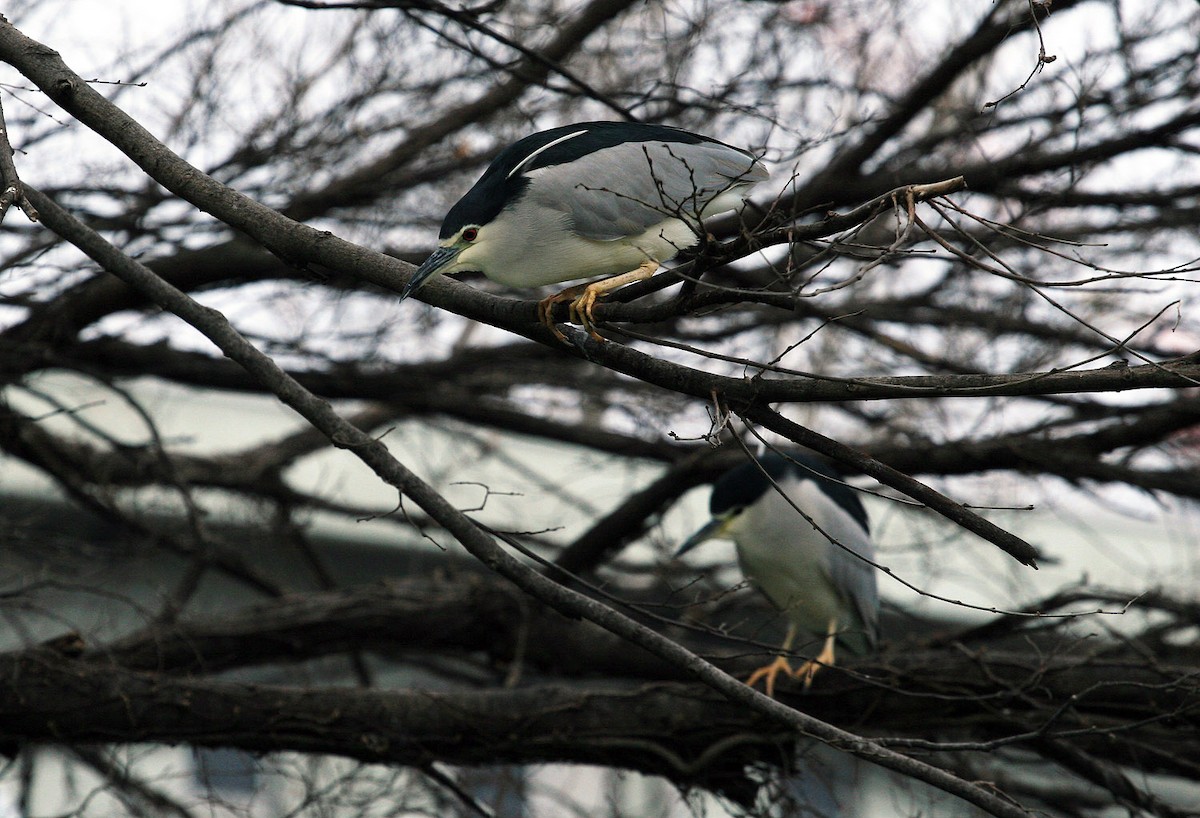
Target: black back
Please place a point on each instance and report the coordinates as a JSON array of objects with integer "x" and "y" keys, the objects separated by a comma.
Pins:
[
  {"x": 496, "y": 189},
  {"x": 743, "y": 485}
]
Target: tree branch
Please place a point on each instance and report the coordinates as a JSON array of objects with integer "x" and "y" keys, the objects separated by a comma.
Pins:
[
  {"x": 66, "y": 88},
  {"x": 11, "y": 191},
  {"x": 376, "y": 456}
]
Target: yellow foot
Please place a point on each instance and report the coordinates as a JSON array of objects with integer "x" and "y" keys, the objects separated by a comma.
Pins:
[
  {"x": 825, "y": 658},
  {"x": 581, "y": 311},
  {"x": 546, "y": 310},
  {"x": 581, "y": 307},
  {"x": 769, "y": 672},
  {"x": 583, "y": 301},
  {"x": 807, "y": 671}
]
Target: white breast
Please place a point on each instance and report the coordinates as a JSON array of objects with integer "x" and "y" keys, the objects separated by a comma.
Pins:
[
  {"x": 536, "y": 256},
  {"x": 788, "y": 559}
]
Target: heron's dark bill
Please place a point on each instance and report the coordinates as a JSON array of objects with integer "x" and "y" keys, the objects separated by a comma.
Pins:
[
  {"x": 713, "y": 528},
  {"x": 440, "y": 258}
]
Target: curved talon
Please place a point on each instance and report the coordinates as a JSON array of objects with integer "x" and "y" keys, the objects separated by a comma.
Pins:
[
  {"x": 583, "y": 301},
  {"x": 806, "y": 672},
  {"x": 581, "y": 310},
  {"x": 546, "y": 311},
  {"x": 769, "y": 672},
  {"x": 825, "y": 658},
  {"x": 546, "y": 318}
]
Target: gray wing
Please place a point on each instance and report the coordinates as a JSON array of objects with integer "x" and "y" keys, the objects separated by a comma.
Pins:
[
  {"x": 855, "y": 579},
  {"x": 627, "y": 189}
]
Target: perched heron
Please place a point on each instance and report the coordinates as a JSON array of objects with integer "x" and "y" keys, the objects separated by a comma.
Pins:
[
  {"x": 612, "y": 199},
  {"x": 797, "y": 527}
]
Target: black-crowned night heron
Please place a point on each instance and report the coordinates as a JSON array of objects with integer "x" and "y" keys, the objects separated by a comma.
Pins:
[
  {"x": 589, "y": 200},
  {"x": 794, "y": 522}
]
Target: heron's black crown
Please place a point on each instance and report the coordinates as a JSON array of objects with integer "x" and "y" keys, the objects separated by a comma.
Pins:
[
  {"x": 497, "y": 188},
  {"x": 743, "y": 485}
]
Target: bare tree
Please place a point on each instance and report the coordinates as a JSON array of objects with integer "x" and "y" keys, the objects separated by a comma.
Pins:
[{"x": 972, "y": 275}]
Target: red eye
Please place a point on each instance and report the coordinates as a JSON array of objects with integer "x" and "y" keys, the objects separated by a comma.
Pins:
[{"x": 470, "y": 234}]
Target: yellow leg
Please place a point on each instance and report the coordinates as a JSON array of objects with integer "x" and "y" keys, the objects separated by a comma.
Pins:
[
  {"x": 780, "y": 665},
  {"x": 825, "y": 658},
  {"x": 581, "y": 307}
]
